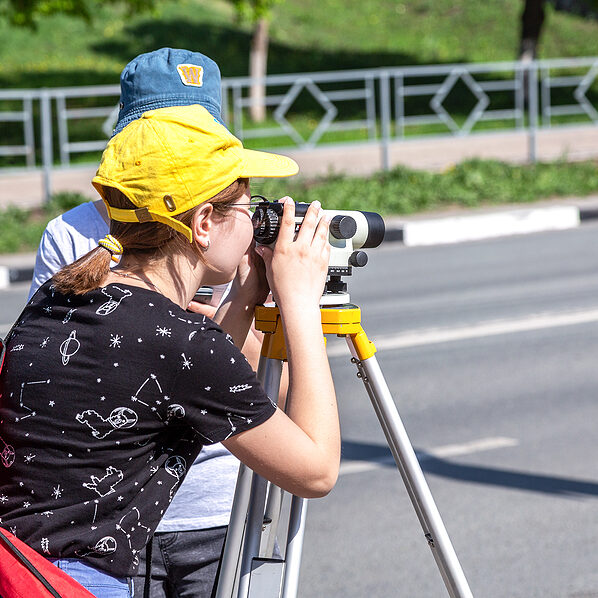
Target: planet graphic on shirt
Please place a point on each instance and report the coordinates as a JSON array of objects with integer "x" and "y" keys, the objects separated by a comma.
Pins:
[
  {"x": 65, "y": 348},
  {"x": 103, "y": 547},
  {"x": 175, "y": 412},
  {"x": 107, "y": 545},
  {"x": 122, "y": 417},
  {"x": 176, "y": 466}
]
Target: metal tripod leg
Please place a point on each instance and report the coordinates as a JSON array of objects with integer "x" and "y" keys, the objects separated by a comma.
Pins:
[
  {"x": 248, "y": 568},
  {"x": 404, "y": 455}
]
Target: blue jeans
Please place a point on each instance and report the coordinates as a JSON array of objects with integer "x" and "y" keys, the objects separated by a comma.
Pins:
[
  {"x": 184, "y": 564},
  {"x": 99, "y": 583}
]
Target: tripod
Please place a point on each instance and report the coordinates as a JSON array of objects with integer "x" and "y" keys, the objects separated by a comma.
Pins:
[{"x": 251, "y": 566}]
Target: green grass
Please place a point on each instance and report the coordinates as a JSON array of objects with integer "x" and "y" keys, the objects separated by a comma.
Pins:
[
  {"x": 306, "y": 35},
  {"x": 469, "y": 184},
  {"x": 400, "y": 191},
  {"x": 22, "y": 229}
]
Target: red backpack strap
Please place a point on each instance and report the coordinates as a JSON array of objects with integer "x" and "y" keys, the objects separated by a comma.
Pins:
[{"x": 25, "y": 561}]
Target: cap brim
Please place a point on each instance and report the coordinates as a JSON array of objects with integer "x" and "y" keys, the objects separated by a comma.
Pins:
[{"x": 265, "y": 164}]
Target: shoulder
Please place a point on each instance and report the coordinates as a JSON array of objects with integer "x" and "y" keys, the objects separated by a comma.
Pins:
[{"x": 83, "y": 222}]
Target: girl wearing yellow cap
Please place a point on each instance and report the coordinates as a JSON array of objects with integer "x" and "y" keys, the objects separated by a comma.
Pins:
[{"x": 110, "y": 388}]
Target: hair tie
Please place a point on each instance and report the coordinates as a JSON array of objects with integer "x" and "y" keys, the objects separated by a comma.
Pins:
[{"x": 112, "y": 244}]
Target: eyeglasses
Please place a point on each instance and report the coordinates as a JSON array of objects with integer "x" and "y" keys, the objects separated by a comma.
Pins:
[{"x": 256, "y": 200}]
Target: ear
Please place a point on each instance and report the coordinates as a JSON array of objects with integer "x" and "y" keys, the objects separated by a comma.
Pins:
[{"x": 202, "y": 225}]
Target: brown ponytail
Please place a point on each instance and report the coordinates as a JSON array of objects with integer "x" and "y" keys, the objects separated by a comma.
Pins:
[{"x": 149, "y": 241}]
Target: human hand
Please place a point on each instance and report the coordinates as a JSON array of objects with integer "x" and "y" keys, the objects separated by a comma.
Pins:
[
  {"x": 250, "y": 282},
  {"x": 297, "y": 267},
  {"x": 205, "y": 309}
]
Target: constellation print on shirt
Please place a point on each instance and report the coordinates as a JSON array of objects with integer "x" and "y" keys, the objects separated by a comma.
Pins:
[
  {"x": 22, "y": 405},
  {"x": 135, "y": 398},
  {"x": 136, "y": 533},
  {"x": 113, "y": 302}
]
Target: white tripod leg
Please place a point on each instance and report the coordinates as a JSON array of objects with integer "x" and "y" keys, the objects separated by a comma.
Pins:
[
  {"x": 243, "y": 538},
  {"x": 411, "y": 472},
  {"x": 294, "y": 551}
]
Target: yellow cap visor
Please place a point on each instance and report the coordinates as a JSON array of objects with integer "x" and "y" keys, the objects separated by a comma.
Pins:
[{"x": 265, "y": 164}]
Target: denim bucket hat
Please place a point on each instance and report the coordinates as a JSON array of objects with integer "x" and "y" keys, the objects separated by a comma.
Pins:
[{"x": 168, "y": 77}]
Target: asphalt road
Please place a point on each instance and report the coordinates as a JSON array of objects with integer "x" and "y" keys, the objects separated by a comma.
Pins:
[{"x": 489, "y": 350}]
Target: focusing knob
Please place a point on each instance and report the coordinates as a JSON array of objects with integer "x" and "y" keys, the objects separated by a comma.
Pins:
[
  {"x": 343, "y": 227},
  {"x": 358, "y": 259},
  {"x": 265, "y": 226}
]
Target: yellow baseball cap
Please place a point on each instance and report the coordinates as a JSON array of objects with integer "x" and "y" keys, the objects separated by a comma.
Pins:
[{"x": 173, "y": 159}]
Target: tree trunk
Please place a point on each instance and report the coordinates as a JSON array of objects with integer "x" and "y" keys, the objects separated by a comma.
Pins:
[
  {"x": 258, "y": 61},
  {"x": 532, "y": 19}
]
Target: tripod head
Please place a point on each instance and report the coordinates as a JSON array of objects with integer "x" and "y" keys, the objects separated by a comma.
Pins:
[{"x": 350, "y": 232}]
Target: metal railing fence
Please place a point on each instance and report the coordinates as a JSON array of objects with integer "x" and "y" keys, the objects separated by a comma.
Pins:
[{"x": 378, "y": 106}]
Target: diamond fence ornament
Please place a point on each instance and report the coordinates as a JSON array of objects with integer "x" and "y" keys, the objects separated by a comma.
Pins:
[
  {"x": 330, "y": 112},
  {"x": 442, "y": 93},
  {"x": 580, "y": 92}
]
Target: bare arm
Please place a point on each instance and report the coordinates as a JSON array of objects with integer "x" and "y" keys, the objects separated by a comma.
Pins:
[{"x": 299, "y": 451}]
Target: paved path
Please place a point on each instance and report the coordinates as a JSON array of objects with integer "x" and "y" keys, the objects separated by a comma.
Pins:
[{"x": 25, "y": 188}]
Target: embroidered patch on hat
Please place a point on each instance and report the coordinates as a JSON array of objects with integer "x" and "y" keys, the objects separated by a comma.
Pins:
[{"x": 191, "y": 74}]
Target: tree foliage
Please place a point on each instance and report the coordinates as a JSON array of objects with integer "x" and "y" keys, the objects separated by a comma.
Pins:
[
  {"x": 254, "y": 10},
  {"x": 26, "y": 13}
]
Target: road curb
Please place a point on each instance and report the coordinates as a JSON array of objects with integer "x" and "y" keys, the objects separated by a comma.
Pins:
[
  {"x": 428, "y": 231},
  {"x": 15, "y": 274}
]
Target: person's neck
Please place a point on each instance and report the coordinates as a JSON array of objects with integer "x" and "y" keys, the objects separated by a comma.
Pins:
[{"x": 175, "y": 278}]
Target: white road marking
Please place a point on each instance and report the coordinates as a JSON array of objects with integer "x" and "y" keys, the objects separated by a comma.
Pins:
[
  {"x": 442, "y": 452},
  {"x": 415, "y": 338}
]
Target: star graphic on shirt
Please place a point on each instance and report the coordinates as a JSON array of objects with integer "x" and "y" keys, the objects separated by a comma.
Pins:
[
  {"x": 51, "y": 403},
  {"x": 120, "y": 498},
  {"x": 45, "y": 342},
  {"x": 29, "y": 458},
  {"x": 163, "y": 331},
  {"x": 115, "y": 341},
  {"x": 203, "y": 412},
  {"x": 186, "y": 362},
  {"x": 26, "y": 504},
  {"x": 3, "y": 498},
  {"x": 57, "y": 493}
]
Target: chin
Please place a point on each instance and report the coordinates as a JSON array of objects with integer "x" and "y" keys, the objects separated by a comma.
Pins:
[{"x": 216, "y": 278}]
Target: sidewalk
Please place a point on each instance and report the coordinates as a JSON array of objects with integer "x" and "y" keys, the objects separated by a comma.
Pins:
[{"x": 25, "y": 188}]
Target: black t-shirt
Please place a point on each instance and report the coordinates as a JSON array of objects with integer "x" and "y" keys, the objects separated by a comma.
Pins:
[{"x": 105, "y": 400}]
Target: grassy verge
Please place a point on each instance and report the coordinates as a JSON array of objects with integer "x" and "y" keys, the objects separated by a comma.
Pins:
[
  {"x": 470, "y": 184},
  {"x": 400, "y": 191},
  {"x": 305, "y": 35}
]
